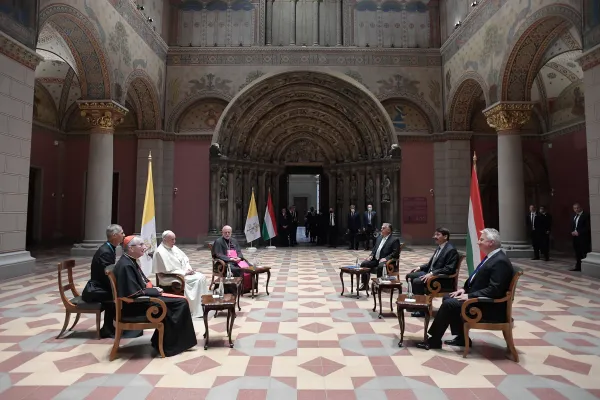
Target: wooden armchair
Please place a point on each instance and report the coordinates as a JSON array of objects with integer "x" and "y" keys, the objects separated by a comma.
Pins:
[
  {"x": 219, "y": 267},
  {"x": 434, "y": 286},
  {"x": 75, "y": 305},
  {"x": 170, "y": 282},
  {"x": 474, "y": 318},
  {"x": 393, "y": 264},
  {"x": 129, "y": 323}
]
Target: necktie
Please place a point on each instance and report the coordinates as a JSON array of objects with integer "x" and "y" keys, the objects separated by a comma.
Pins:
[
  {"x": 437, "y": 253},
  {"x": 331, "y": 219},
  {"x": 477, "y": 269},
  {"x": 533, "y": 221},
  {"x": 576, "y": 220},
  {"x": 369, "y": 217}
]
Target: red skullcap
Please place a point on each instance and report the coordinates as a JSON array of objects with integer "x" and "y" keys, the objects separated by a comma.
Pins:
[{"x": 127, "y": 240}]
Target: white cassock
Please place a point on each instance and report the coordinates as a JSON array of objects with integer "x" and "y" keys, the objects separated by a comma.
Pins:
[{"x": 174, "y": 261}]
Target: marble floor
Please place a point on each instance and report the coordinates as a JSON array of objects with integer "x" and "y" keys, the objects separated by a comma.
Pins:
[{"x": 305, "y": 341}]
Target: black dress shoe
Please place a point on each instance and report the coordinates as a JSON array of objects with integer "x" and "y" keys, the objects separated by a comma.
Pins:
[
  {"x": 458, "y": 341},
  {"x": 429, "y": 345}
]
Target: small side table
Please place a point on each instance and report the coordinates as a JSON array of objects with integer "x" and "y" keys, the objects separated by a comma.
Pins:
[
  {"x": 255, "y": 272},
  {"x": 354, "y": 271},
  {"x": 378, "y": 286},
  {"x": 420, "y": 304},
  {"x": 209, "y": 303},
  {"x": 235, "y": 281}
]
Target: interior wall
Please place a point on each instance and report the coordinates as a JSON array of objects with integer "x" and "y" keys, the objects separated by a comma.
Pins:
[{"x": 303, "y": 186}]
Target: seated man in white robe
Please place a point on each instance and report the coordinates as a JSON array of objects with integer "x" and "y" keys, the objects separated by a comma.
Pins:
[{"x": 169, "y": 258}]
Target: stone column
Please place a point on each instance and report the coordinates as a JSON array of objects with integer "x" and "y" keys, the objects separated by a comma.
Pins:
[
  {"x": 293, "y": 32},
  {"x": 339, "y": 22},
  {"x": 591, "y": 78},
  {"x": 396, "y": 203},
  {"x": 103, "y": 116},
  {"x": 16, "y": 101},
  {"x": 452, "y": 172},
  {"x": 508, "y": 118},
  {"x": 269, "y": 27},
  {"x": 316, "y": 22}
]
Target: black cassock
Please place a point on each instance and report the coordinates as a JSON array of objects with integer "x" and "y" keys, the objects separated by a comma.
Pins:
[{"x": 178, "y": 326}]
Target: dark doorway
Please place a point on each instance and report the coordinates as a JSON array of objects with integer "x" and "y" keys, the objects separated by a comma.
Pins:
[{"x": 34, "y": 207}]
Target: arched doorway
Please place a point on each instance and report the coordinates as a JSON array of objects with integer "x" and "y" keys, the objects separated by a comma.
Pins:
[{"x": 303, "y": 119}]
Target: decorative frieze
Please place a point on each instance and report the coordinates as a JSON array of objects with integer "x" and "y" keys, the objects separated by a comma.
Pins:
[
  {"x": 590, "y": 58},
  {"x": 19, "y": 52}
]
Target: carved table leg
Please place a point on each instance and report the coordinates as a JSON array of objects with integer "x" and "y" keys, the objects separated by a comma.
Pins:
[
  {"x": 374, "y": 290},
  {"x": 254, "y": 283},
  {"x": 358, "y": 278},
  {"x": 239, "y": 289},
  {"x": 351, "y": 283},
  {"x": 230, "y": 326},
  {"x": 268, "y": 279},
  {"x": 205, "y": 329},
  {"x": 342, "y": 279},
  {"x": 401, "y": 323},
  {"x": 380, "y": 307}
]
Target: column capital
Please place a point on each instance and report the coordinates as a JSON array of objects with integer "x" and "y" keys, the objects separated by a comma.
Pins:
[
  {"x": 102, "y": 115},
  {"x": 508, "y": 115}
]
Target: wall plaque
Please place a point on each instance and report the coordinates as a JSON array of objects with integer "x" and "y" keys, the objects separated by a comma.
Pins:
[{"x": 414, "y": 210}]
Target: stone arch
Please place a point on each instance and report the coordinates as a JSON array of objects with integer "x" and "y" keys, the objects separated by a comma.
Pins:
[
  {"x": 432, "y": 115},
  {"x": 412, "y": 120},
  {"x": 140, "y": 85},
  {"x": 462, "y": 99},
  {"x": 536, "y": 34},
  {"x": 83, "y": 41},
  {"x": 316, "y": 90},
  {"x": 182, "y": 107},
  {"x": 297, "y": 150},
  {"x": 202, "y": 115}
]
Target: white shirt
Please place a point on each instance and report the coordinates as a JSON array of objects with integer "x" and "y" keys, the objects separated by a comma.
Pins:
[
  {"x": 484, "y": 261},
  {"x": 383, "y": 240},
  {"x": 331, "y": 219},
  {"x": 532, "y": 221},
  {"x": 577, "y": 219},
  {"x": 438, "y": 251}
]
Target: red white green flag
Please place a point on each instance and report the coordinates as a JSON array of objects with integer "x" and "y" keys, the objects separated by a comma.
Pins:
[
  {"x": 269, "y": 228},
  {"x": 475, "y": 223}
]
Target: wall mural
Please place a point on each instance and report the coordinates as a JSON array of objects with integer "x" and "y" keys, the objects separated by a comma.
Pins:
[
  {"x": 119, "y": 44},
  {"x": 44, "y": 109},
  {"x": 202, "y": 116},
  {"x": 406, "y": 116},
  {"x": 569, "y": 107},
  {"x": 209, "y": 84},
  {"x": 18, "y": 18}
]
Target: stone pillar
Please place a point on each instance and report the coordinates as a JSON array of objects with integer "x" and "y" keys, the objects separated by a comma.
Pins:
[
  {"x": 316, "y": 22},
  {"x": 269, "y": 28},
  {"x": 16, "y": 102},
  {"x": 339, "y": 22},
  {"x": 214, "y": 200},
  {"x": 397, "y": 201},
  {"x": 231, "y": 220},
  {"x": 590, "y": 64},
  {"x": 452, "y": 172},
  {"x": 293, "y": 32},
  {"x": 103, "y": 116},
  {"x": 508, "y": 118}
]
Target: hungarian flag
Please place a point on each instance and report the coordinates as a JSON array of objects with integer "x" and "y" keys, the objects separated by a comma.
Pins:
[
  {"x": 475, "y": 224},
  {"x": 269, "y": 229},
  {"x": 252, "y": 229}
]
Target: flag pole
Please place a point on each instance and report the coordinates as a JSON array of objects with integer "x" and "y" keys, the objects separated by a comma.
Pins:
[{"x": 270, "y": 246}]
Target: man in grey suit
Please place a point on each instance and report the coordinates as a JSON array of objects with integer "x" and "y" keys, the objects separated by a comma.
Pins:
[
  {"x": 443, "y": 262},
  {"x": 386, "y": 247}
]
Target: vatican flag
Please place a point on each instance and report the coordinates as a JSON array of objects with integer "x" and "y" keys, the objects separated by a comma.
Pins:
[
  {"x": 252, "y": 229},
  {"x": 148, "y": 223}
]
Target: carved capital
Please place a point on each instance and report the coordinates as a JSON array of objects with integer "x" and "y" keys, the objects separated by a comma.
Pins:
[
  {"x": 506, "y": 116},
  {"x": 103, "y": 115},
  {"x": 19, "y": 52}
]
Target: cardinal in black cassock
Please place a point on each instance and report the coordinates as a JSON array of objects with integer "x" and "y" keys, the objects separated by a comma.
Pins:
[{"x": 179, "y": 334}]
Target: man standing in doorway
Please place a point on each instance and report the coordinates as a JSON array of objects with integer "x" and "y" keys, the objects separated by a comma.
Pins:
[
  {"x": 581, "y": 232},
  {"x": 293, "y": 225},
  {"x": 545, "y": 226},
  {"x": 532, "y": 221},
  {"x": 332, "y": 228},
  {"x": 353, "y": 227},
  {"x": 369, "y": 223}
]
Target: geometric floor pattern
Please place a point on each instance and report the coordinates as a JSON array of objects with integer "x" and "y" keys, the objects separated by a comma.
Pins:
[{"x": 305, "y": 341}]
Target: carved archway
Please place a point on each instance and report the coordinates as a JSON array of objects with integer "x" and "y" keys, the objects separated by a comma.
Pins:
[
  {"x": 182, "y": 107},
  {"x": 80, "y": 35},
  {"x": 141, "y": 90},
  {"x": 470, "y": 87},
  {"x": 303, "y": 119},
  {"x": 537, "y": 33}
]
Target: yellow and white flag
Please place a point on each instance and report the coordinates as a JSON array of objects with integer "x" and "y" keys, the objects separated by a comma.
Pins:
[
  {"x": 148, "y": 223},
  {"x": 252, "y": 229}
]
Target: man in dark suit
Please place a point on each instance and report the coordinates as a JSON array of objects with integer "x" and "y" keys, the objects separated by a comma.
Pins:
[
  {"x": 443, "y": 262},
  {"x": 581, "y": 232},
  {"x": 545, "y": 226},
  {"x": 283, "y": 228},
  {"x": 222, "y": 249},
  {"x": 369, "y": 224},
  {"x": 98, "y": 288},
  {"x": 353, "y": 227},
  {"x": 490, "y": 279},
  {"x": 386, "y": 247},
  {"x": 533, "y": 229},
  {"x": 293, "y": 217},
  {"x": 332, "y": 228}
]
